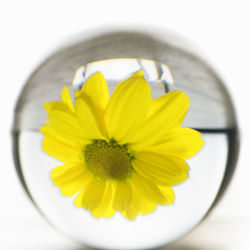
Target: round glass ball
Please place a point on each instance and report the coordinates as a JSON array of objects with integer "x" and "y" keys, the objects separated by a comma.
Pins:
[{"x": 168, "y": 65}]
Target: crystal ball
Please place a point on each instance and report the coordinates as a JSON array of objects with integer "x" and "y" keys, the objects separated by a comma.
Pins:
[{"x": 168, "y": 65}]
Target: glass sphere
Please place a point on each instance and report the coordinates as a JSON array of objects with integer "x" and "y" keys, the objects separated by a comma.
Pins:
[{"x": 168, "y": 65}]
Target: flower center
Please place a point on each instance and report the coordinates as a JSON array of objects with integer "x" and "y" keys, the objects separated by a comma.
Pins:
[{"x": 109, "y": 160}]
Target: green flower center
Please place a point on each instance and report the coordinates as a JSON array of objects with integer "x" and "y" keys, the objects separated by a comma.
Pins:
[{"x": 109, "y": 160}]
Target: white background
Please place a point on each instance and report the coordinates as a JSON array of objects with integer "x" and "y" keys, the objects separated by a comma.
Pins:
[{"x": 31, "y": 30}]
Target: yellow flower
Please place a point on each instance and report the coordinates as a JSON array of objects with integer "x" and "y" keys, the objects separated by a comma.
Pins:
[{"x": 121, "y": 153}]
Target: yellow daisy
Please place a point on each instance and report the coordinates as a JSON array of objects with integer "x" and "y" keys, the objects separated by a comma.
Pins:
[{"x": 121, "y": 153}]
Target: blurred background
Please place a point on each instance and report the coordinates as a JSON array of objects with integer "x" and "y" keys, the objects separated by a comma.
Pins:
[{"x": 32, "y": 30}]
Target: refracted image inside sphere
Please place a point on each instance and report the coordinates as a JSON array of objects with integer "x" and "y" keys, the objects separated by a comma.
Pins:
[
  {"x": 123, "y": 152},
  {"x": 118, "y": 165}
]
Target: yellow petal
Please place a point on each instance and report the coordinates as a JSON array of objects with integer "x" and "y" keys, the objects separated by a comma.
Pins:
[
  {"x": 65, "y": 97},
  {"x": 127, "y": 108},
  {"x": 147, "y": 189},
  {"x": 168, "y": 193},
  {"x": 66, "y": 126},
  {"x": 131, "y": 213},
  {"x": 70, "y": 178},
  {"x": 88, "y": 119},
  {"x": 105, "y": 207},
  {"x": 181, "y": 142},
  {"x": 97, "y": 89},
  {"x": 122, "y": 196},
  {"x": 56, "y": 106},
  {"x": 165, "y": 113},
  {"x": 144, "y": 206},
  {"x": 91, "y": 196},
  {"x": 62, "y": 150},
  {"x": 141, "y": 203},
  {"x": 137, "y": 73},
  {"x": 162, "y": 169}
]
